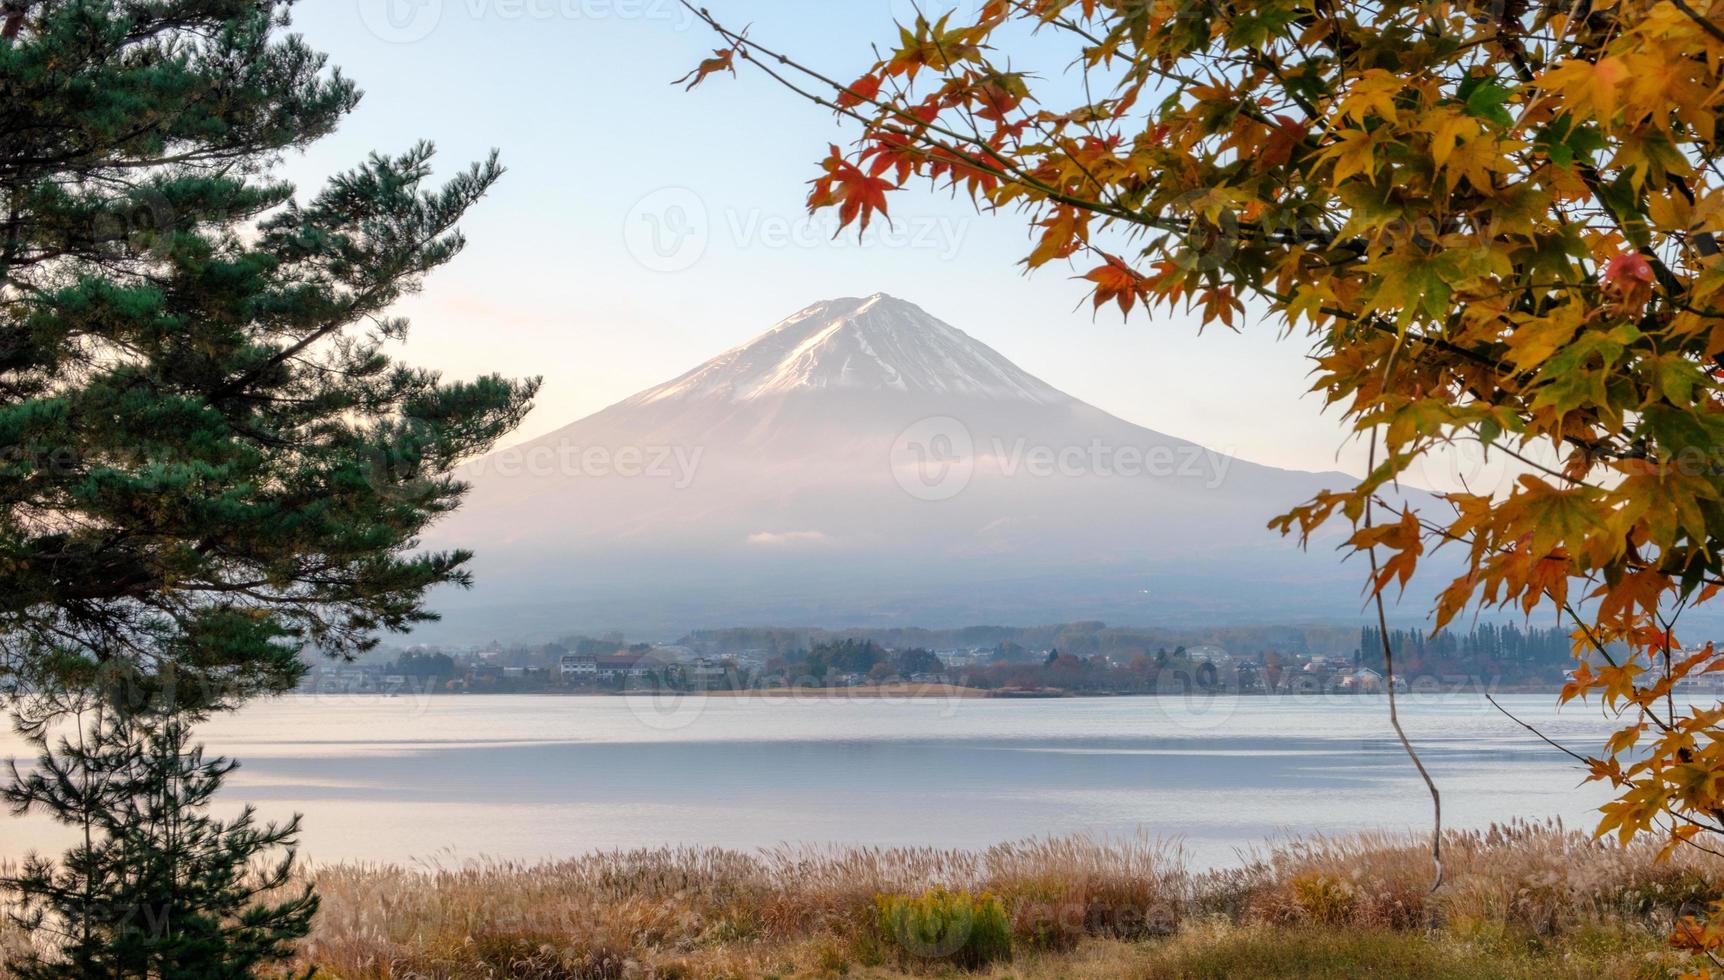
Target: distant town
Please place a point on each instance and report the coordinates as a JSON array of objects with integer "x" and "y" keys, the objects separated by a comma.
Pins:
[{"x": 1081, "y": 659}]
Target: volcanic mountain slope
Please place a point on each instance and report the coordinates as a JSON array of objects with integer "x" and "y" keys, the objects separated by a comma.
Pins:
[{"x": 861, "y": 463}]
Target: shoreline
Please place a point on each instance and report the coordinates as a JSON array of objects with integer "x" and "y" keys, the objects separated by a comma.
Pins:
[
  {"x": 938, "y": 690},
  {"x": 869, "y": 691}
]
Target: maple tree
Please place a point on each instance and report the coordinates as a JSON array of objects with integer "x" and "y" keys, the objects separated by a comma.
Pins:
[{"x": 1495, "y": 223}]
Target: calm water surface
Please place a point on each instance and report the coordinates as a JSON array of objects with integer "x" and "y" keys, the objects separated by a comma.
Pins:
[{"x": 454, "y": 777}]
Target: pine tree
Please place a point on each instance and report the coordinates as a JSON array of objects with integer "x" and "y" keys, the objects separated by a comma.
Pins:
[
  {"x": 156, "y": 888},
  {"x": 206, "y": 456},
  {"x": 208, "y": 461}
]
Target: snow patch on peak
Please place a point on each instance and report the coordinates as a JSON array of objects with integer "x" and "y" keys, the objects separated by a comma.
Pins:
[{"x": 873, "y": 343}]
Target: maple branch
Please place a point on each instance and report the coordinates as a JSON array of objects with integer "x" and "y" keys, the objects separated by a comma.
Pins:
[
  {"x": 1695, "y": 15},
  {"x": 1057, "y": 140},
  {"x": 1373, "y": 322},
  {"x": 1595, "y": 184},
  {"x": 1528, "y": 461},
  {"x": 1004, "y": 168},
  {"x": 1565, "y": 750}
]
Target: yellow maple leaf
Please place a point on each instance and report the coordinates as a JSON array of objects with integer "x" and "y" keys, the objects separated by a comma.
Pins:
[
  {"x": 1589, "y": 89},
  {"x": 1373, "y": 94},
  {"x": 1354, "y": 153}
]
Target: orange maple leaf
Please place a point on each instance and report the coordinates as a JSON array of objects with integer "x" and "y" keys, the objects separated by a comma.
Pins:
[
  {"x": 862, "y": 90},
  {"x": 1114, "y": 280},
  {"x": 724, "y": 59}
]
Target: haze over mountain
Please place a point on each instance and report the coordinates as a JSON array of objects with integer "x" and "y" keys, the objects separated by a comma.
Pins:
[{"x": 865, "y": 463}]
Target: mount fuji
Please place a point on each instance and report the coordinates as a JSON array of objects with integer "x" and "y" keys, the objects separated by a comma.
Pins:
[{"x": 863, "y": 463}]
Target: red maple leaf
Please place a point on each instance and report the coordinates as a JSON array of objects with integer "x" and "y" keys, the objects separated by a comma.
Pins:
[{"x": 844, "y": 184}]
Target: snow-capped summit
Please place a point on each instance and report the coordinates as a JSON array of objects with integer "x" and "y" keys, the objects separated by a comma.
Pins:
[
  {"x": 862, "y": 461},
  {"x": 875, "y": 343}
]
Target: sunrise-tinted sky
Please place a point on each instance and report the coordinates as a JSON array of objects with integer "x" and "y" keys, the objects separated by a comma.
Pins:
[{"x": 642, "y": 229}]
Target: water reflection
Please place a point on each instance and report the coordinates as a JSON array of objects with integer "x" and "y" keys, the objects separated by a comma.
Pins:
[{"x": 533, "y": 777}]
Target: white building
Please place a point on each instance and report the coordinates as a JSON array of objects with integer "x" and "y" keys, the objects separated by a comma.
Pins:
[{"x": 627, "y": 665}]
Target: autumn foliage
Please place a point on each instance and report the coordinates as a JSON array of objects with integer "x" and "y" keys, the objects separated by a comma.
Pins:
[{"x": 1495, "y": 224}]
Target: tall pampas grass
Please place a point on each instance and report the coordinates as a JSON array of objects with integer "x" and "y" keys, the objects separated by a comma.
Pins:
[{"x": 812, "y": 911}]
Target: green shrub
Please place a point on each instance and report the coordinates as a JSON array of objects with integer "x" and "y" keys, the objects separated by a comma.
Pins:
[
  {"x": 1324, "y": 899},
  {"x": 947, "y": 927},
  {"x": 1664, "y": 890},
  {"x": 1045, "y": 916}
]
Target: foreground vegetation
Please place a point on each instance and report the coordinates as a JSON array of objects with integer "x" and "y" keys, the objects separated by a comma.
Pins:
[
  {"x": 1522, "y": 900},
  {"x": 1519, "y": 901}
]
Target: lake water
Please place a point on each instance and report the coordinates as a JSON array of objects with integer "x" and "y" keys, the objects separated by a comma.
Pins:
[{"x": 446, "y": 778}]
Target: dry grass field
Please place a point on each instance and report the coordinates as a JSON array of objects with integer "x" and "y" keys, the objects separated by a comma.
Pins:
[
  {"x": 1519, "y": 901},
  {"x": 1524, "y": 900}
]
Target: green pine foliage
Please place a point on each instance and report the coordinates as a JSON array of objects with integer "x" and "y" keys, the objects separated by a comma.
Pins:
[
  {"x": 210, "y": 460},
  {"x": 157, "y": 887},
  {"x": 208, "y": 456}
]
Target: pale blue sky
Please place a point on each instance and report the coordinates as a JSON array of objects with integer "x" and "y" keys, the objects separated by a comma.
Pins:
[{"x": 563, "y": 277}]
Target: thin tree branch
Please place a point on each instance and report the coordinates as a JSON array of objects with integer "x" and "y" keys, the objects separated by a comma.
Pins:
[{"x": 1389, "y": 684}]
